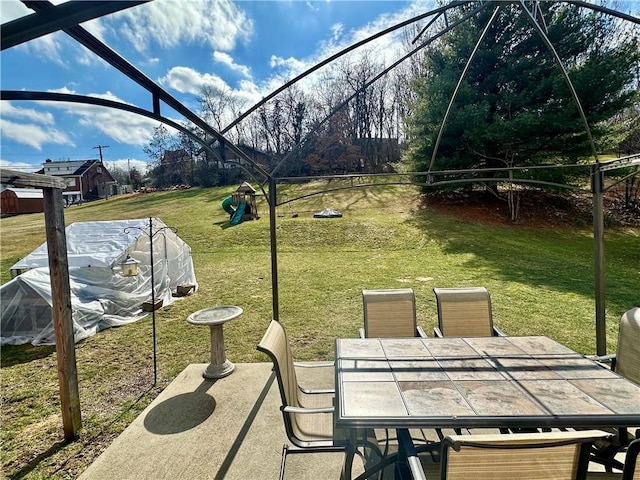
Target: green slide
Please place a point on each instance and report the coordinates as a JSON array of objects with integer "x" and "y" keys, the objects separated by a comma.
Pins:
[{"x": 237, "y": 217}]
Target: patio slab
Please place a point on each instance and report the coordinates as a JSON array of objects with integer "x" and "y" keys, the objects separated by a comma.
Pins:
[{"x": 230, "y": 428}]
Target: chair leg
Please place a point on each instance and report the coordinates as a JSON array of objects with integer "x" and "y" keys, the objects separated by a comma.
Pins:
[{"x": 285, "y": 449}]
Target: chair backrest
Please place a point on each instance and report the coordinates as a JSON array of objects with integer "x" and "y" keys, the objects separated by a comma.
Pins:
[
  {"x": 389, "y": 313},
  {"x": 275, "y": 344},
  {"x": 464, "y": 312},
  {"x": 305, "y": 429},
  {"x": 628, "y": 351},
  {"x": 532, "y": 456}
]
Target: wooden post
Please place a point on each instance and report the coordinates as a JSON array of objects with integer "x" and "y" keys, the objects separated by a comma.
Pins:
[
  {"x": 61, "y": 308},
  {"x": 60, "y": 290}
]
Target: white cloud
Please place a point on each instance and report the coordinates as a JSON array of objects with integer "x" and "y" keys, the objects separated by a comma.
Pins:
[
  {"x": 50, "y": 48},
  {"x": 8, "y": 110},
  {"x": 54, "y": 46},
  {"x": 33, "y": 135},
  {"x": 170, "y": 23},
  {"x": 122, "y": 126},
  {"x": 127, "y": 163},
  {"x": 96, "y": 27},
  {"x": 227, "y": 60},
  {"x": 188, "y": 80},
  {"x": 290, "y": 63},
  {"x": 387, "y": 49},
  {"x": 12, "y": 10},
  {"x": 59, "y": 48},
  {"x": 336, "y": 31},
  {"x": 20, "y": 166}
]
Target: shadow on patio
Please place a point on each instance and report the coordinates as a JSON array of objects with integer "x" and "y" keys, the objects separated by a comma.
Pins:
[{"x": 197, "y": 428}]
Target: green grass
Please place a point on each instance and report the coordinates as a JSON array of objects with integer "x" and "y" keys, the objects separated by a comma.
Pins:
[{"x": 541, "y": 282}]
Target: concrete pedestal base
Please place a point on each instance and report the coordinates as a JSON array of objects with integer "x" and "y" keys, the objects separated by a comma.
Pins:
[
  {"x": 215, "y": 318},
  {"x": 218, "y": 371}
]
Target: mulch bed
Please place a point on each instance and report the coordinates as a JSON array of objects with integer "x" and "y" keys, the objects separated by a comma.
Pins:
[{"x": 537, "y": 208}]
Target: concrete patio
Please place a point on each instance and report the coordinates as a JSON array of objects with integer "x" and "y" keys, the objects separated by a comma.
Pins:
[{"x": 229, "y": 428}]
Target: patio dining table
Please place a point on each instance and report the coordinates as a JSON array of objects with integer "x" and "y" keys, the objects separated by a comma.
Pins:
[{"x": 488, "y": 382}]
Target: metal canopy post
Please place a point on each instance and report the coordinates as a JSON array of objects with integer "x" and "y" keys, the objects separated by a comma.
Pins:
[
  {"x": 597, "y": 187},
  {"x": 273, "y": 197}
]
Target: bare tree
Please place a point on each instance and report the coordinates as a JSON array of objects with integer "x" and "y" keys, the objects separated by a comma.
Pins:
[{"x": 219, "y": 106}]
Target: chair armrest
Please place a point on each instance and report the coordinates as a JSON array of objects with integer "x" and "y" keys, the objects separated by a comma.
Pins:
[
  {"x": 318, "y": 391},
  {"x": 420, "y": 331},
  {"x": 290, "y": 409},
  {"x": 362, "y": 335},
  {"x": 437, "y": 333},
  {"x": 604, "y": 358},
  {"x": 497, "y": 332},
  {"x": 328, "y": 363}
]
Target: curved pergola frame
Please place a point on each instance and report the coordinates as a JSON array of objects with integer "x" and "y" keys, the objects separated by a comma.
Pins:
[{"x": 67, "y": 17}]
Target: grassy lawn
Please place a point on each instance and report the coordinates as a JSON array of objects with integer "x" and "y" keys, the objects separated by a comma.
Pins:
[{"x": 541, "y": 282}]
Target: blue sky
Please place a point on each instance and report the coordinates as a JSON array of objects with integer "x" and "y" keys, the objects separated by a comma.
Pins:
[{"x": 248, "y": 48}]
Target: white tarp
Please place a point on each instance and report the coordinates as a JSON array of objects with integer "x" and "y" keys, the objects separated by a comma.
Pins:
[{"x": 101, "y": 297}]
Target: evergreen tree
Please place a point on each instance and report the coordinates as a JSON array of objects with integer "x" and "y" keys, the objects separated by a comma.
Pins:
[{"x": 514, "y": 107}]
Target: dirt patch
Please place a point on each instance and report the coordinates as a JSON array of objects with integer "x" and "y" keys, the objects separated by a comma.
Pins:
[{"x": 536, "y": 209}]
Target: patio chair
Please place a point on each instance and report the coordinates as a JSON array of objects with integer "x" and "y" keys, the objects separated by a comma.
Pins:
[
  {"x": 390, "y": 313},
  {"x": 626, "y": 362},
  {"x": 307, "y": 414},
  {"x": 464, "y": 312},
  {"x": 630, "y": 471},
  {"x": 554, "y": 455}
]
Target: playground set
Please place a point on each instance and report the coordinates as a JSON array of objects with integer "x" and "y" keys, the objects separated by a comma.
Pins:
[{"x": 241, "y": 205}]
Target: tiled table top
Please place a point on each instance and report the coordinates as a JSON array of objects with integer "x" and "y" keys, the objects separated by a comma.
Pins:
[{"x": 476, "y": 382}]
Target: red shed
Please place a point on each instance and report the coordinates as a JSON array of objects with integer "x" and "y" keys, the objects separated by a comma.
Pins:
[{"x": 16, "y": 201}]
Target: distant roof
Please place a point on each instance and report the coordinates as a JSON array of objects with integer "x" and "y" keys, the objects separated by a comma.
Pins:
[
  {"x": 24, "y": 192},
  {"x": 80, "y": 166},
  {"x": 84, "y": 167}
]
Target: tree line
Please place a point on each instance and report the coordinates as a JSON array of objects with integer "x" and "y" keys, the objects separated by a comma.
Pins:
[{"x": 512, "y": 107}]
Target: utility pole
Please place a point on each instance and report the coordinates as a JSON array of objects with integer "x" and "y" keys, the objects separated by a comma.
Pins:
[
  {"x": 100, "y": 147},
  {"x": 104, "y": 185}
]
